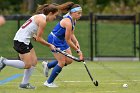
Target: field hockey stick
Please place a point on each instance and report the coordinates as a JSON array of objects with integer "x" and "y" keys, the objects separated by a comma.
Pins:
[
  {"x": 94, "y": 82},
  {"x": 68, "y": 55},
  {"x": 77, "y": 59}
]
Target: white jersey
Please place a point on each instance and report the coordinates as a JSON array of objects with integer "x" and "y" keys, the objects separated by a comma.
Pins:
[{"x": 27, "y": 30}]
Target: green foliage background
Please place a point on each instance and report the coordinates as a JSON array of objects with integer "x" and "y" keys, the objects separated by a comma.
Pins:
[{"x": 97, "y": 6}]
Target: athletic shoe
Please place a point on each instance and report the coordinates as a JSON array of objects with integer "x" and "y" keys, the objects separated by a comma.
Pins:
[
  {"x": 26, "y": 86},
  {"x": 45, "y": 68},
  {"x": 2, "y": 65},
  {"x": 51, "y": 85}
]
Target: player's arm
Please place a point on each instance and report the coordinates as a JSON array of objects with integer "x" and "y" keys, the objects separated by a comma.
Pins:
[
  {"x": 2, "y": 20},
  {"x": 41, "y": 27},
  {"x": 75, "y": 41},
  {"x": 66, "y": 23}
]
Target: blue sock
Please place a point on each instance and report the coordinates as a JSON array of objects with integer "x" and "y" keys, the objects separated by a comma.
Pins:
[
  {"x": 57, "y": 69},
  {"x": 52, "y": 64}
]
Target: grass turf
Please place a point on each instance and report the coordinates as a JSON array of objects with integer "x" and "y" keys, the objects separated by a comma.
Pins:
[{"x": 74, "y": 79}]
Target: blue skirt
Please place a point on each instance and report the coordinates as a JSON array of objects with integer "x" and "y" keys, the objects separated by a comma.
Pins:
[{"x": 58, "y": 43}]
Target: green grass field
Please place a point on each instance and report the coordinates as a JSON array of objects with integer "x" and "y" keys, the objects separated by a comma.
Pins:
[{"x": 74, "y": 79}]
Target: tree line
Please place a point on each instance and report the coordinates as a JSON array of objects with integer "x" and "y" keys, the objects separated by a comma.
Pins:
[{"x": 8, "y": 7}]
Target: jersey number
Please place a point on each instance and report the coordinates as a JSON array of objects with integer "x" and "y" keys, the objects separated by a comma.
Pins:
[{"x": 26, "y": 23}]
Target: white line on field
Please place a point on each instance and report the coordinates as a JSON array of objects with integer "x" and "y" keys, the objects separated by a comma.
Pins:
[
  {"x": 104, "y": 80},
  {"x": 66, "y": 81},
  {"x": 107, "y": 91},
  {"x": 100, "y": 92},
  {"x": 103, "y": 68}
]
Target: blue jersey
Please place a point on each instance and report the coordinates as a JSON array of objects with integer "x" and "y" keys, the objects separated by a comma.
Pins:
[
  {"x": 57, "y": 36},
  {"x": 59, "y": 31}
]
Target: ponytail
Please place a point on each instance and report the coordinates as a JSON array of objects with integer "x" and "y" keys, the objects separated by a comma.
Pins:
[
  {"x": 40, "y": 8},
  {"x": 46, "y": 9},
  {"x": 63, "y": 8}
]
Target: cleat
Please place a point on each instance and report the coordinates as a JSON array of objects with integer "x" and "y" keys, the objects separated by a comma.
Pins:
[
  {"x": 2, "y": 65},
  {"x": 45, "y": 68},
  {"x": 26, "y": 86},
  {"x": 51, "y": 85}
]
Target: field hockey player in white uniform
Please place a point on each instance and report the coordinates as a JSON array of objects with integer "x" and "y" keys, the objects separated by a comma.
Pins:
[{"x": 33, "y": 27}]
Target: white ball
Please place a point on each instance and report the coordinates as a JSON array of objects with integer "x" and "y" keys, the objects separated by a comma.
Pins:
[{"x": 125, "y": 85}]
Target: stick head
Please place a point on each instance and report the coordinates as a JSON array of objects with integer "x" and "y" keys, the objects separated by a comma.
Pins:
[{"x": 96, "y": 83}]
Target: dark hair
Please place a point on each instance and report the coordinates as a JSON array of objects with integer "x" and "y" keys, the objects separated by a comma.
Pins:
[
  {"x": 46, "y": 9},
  {"x": 63, "y": 8},
  {"x": 66, "y": 7}
]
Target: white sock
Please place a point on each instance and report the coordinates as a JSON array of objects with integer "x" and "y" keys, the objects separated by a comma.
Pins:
[
  {"x": 14, "y": 63},
  {"x": 27, "y": 74}
]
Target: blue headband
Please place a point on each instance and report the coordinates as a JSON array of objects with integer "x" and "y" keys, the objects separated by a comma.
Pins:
[{"x": 75, "y": 9}]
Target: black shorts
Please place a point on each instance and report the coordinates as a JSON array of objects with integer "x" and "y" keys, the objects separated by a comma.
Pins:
[{"x": 22, "y": 48}]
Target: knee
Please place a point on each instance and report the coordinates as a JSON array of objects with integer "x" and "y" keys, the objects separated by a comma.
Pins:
[
  {"x": 61, "y": 64},
  {"x": 69, "y": 61},
  {"x": 27, "y": 65},
  {"x": 34, "y": 62}
]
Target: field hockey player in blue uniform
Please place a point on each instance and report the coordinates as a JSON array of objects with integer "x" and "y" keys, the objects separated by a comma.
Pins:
[{"x": 62, "y": 37}]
